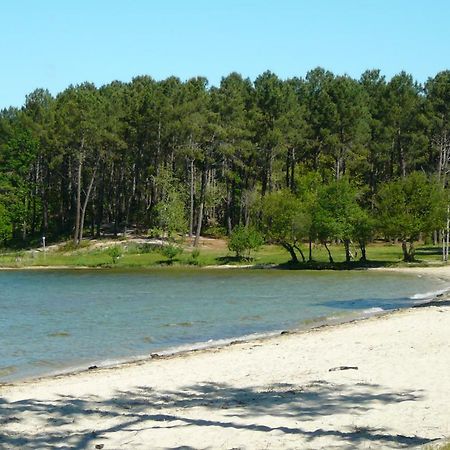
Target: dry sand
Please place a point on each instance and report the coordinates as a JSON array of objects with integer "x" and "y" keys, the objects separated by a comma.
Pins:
[{"x": 274, "y": 393}]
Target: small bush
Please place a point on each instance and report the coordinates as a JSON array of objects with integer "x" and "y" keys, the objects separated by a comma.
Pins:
[
  {"x": 147, "y": 248},
  {"x": 171, "y": 251},
  {"x": 155, "y": 232},
  {"x": 244, "y": 240},
  {"x": 215, "y": 232},
  {"x": 115, "y": 252},
  {"x": 70, "y": 246},
  {"x": 193, "y": 260},
  {"x": 137, "y": 249}
]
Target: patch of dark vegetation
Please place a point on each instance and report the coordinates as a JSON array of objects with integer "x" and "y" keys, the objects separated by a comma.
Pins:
[{"x": 352, "y": 265}]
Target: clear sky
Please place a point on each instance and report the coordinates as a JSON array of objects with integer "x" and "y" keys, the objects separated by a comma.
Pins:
[{"x": 54, "y": 43}]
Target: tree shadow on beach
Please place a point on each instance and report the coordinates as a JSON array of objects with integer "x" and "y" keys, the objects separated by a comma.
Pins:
[{"x": 246, "y": 408}]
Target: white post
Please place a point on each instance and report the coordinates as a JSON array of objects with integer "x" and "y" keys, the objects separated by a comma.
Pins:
[{"x": 43, "y": 244}]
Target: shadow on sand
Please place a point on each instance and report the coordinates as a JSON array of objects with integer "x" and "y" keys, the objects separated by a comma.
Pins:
[{"x": 240, "y": 409}]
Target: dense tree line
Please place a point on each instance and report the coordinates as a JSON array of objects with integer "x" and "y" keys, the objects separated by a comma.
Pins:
[{"x": 317, "y": 159}]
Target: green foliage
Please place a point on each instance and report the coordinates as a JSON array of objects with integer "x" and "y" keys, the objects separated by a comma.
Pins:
[
  {"x": 285, "y": 221},
  {"x": 5, "y": 225},
  {"x": 171, "y": 215},
  {"x": 115, "y": 252},
  {"x": 171, "y": 251},
  {"x": 194, "y": 258},
  {"x": 170, "y": 211},
  {"x": 380, "y": 254},
  {"x": 215, "y": 231},
  {"x": 16, "y": 159},
  {"x": 155, "y": 232},
  {"x": 70, "y": 246},
  {"x": 244, "y": 240},
  {"x": 161, "y": 154},
  {"x": 410, "y": 206},
  {"x": 338, "y": 216},
  {"x": 138, "y": 249}
]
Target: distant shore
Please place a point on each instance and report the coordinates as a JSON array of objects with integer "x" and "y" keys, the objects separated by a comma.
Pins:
[
  {"x": 383, "y": 381},
  {"x": 441, "y": 270},
  {"x": 145, "y": 253}
]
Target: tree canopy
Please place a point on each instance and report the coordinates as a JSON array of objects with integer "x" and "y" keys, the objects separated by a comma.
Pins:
[{"x": 184, "y": 157}]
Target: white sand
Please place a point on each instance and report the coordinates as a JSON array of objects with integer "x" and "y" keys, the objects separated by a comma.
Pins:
[{"x": 276, "y": 393}]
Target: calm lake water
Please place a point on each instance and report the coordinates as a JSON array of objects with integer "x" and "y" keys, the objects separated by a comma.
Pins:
[{"x": 52, "y": 321}]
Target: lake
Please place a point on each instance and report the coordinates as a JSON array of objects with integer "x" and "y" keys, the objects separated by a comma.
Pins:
[{"x": 60, "y": 320}]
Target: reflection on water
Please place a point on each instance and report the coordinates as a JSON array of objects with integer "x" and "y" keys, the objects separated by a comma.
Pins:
[{"x": 52, "y": 320}]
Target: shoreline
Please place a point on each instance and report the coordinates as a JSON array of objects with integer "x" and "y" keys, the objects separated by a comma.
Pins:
[
  {"x": 394, "y": 268},
  {"x": 312, "y": 325},
  {"x": 380, "y": 381},
  {"x": 441, "y": 272},
  {"x": 214, "y": 345},
  {"x": 173, "y": 351}
]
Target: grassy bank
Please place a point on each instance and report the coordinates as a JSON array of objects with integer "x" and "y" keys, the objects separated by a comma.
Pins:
[{"x": 139, "y": 253}]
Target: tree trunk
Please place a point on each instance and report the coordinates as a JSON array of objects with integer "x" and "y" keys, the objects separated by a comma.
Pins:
[
  {"x": 337, "y": 168},
  {"x": 405, "y": 251},
  {"x": 93, "y": 218},
  {"x": 362, "y": 246},
  {"x": 201, "y": 206},
  {"x": 292, "y": 186},
  {"x": 402, "y": 161},
  {"x": 310, "y": 251},
  {"x": 228, "y": 211},
  {"x": 301, "y": 252},
  {"x": 269, "y": 176},
  {"x": 45, "y": 198},
  {"x": 288, "y": 167},
  {"x": 330, "y": 258},
  {"x": 78, "y": 206},
  {"x": 264, "y": 183},
  {"x": 291, "y": 251},
  {"x": 348, "y": 256},
  {"x": 408, "y": 253},
  {"x": 412, "y": 251},
  {"x": 83, "y": 209},
  {"x": 191, "y": 198},
  {"x": 100, "y": 197}
]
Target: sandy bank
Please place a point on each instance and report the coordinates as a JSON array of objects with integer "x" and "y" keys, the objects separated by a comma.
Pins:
[
  {"x": 277, "y": 393},
  {"x": 437, "y": 272}
]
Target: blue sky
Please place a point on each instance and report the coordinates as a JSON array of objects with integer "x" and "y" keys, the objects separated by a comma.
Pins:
[{"x": 54, "y": 43}]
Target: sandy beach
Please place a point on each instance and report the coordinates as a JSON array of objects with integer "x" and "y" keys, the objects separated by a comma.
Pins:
[{"x": 382, "y": 382}]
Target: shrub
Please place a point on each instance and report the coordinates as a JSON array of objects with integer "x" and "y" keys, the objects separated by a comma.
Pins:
[
  {"x": 244, "y": 240},
  {"x": 70, "y": 246},
  {"x": 137, "y": 249},
  {"x": 155, "y": 232},
  {"x": 5, "y": 225},
  {"x": 171, "y": 251},
  {"x": 215, "y": 232},
  {"x": 194, "y": 257},
  {"x": 115, "y": 252}
]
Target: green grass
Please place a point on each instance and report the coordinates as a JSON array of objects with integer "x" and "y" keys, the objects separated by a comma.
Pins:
[{"x": 135, "y": 255}]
